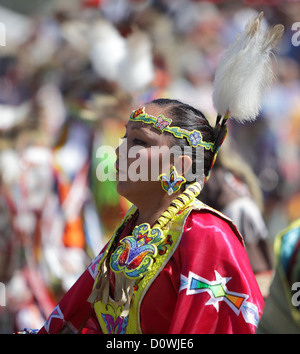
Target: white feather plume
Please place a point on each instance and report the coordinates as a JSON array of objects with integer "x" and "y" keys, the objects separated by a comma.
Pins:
[{"x": 245, "y": 71}]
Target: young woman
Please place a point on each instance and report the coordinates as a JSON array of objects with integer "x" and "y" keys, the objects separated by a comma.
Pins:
[{"x": 173, "y": 265}]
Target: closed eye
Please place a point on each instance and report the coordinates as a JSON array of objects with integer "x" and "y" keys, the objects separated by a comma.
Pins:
[{"x": 137, "y": 141}]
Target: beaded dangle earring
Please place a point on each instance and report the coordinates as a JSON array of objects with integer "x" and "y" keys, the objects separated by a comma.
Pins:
[{"x": 172, "y": 183}]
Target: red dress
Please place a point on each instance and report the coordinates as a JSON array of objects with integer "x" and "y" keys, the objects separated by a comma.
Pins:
[{"x": 207, "y": 286}]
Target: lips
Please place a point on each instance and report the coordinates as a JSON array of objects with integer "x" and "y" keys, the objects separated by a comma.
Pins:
[
  {"x": 117, "y": 165},
  {"x": 119, "y": 172}
]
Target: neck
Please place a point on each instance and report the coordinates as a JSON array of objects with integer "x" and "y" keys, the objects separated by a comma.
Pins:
[{"x": 149, "y": 213}]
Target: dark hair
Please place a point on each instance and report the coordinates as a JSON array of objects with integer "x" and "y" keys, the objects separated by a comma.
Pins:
[{"x": 189, "y": 118}]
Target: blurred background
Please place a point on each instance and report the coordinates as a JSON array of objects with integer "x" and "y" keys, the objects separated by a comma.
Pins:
[{"x": 70, "y": 74}]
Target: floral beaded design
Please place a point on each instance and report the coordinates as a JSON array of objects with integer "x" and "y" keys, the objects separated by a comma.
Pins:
[
  {"x": 172, "y": 183},
  {"x": 135, "y": 254}
]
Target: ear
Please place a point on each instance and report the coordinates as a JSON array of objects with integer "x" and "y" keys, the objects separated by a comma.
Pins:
[{"x": 183, "y": 163}]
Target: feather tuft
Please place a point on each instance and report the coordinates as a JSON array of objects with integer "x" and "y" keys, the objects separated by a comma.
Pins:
[{"x": 245, "y": 71}]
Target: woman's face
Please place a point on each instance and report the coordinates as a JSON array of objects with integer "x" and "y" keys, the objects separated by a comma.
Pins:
[{"x": 141, "y": 158}]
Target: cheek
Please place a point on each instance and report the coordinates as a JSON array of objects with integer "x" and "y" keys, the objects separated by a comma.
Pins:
[
  {"x": 159, "y": 162},
  {"x": 145, "y": 164},
  {"x": 139, "y": 164}
]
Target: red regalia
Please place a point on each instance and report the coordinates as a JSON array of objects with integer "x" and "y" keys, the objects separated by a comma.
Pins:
[{"x": 206, "y": 286}]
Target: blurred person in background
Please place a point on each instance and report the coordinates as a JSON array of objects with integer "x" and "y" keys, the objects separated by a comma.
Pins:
[{"x": 281, "y": 313}]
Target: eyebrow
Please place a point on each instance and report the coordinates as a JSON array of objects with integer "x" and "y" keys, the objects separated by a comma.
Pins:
[
  {"x": 139, "y": 128},
  {"x": 126, "y": 126},
  {"x": 136, "y": 128}
]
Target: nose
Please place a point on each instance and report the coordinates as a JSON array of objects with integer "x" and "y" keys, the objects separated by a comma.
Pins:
[{"x": 121, "y": 150}]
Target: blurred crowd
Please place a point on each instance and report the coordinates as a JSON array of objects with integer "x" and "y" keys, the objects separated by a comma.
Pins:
[{"x": 70, "y": 74}]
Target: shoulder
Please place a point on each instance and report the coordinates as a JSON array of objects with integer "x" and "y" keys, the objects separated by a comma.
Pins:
[
  {"x": 208, "y": 223},
  {"x": 287, "y": 244},
  {"x": 288, "y": 238}
]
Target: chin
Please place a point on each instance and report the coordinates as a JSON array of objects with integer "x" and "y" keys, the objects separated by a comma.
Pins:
[
  {"x": 135, "y": 192},
  {"x": 125, "y": 189}
]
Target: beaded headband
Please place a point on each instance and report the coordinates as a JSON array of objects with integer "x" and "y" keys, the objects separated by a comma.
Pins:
[{"x": 162, "y": 123}]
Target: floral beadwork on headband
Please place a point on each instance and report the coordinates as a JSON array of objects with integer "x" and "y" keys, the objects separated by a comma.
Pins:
[{"x": 162, "y": 123}]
